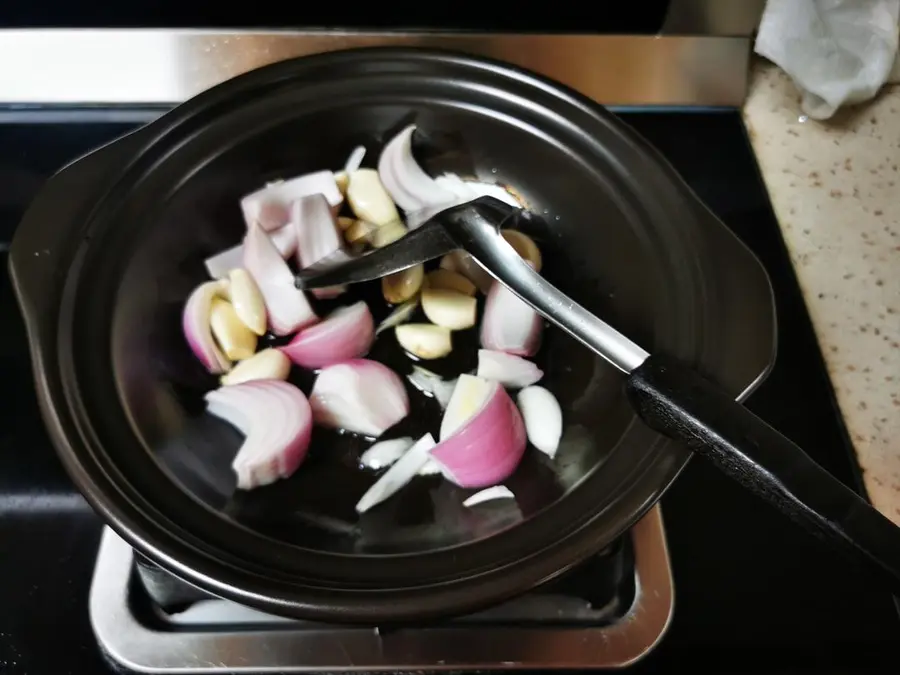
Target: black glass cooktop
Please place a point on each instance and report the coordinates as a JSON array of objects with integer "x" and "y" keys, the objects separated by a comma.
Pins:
[{"x": 753, "y": 594}]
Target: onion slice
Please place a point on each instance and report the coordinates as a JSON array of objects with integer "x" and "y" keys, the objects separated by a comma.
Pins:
[
  {"x": 219, "y": 265},
  {"x": 510, "y": 324},
  {"x": 195, "y": 322},
  {"x": 346, "y": 333},
  {"x": 405, "y": 181},
  {"x": 276, "y": 420},
  {"x": 359, "y": 396},
  {"x": 401, "y": 473},
  {"x": 355, "y": 160},
  {"x": 507, "y": 369},
  {"x": 400, "y": 314},
  {"x": 270, "y": 206},
  {"x": 384, "y": 453},
  {"x": 462, "y": 191},
  {"x": 489, "y": 494},
  {"x": 543, "y": 418},
  {"x": 318, "y": 236},
  {"x": 432, "y": 384},
  {"x": 467, "y": 190},
  {"x": 431, "y": 468},
  {"x": 482, "y": 435},
  {"x": 287, "y": 307}
]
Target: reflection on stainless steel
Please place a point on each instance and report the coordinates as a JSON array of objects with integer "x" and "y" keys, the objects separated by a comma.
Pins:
[
  {"x": 713, "y": 17},
  {"x": 271, "y": 644},
  {"x": 169, "y": 66}
]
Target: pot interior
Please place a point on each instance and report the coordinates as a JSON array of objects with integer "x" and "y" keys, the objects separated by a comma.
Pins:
[
  {"x": 618, "y": 233},
  {"x": 592, "y": 250}
]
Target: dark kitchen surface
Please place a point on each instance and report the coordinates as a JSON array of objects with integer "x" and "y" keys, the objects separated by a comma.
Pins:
[
  {"x": 753, "y": 594},
  {"x": 645, "y": 17}
]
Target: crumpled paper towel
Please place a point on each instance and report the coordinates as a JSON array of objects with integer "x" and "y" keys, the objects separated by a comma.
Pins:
[{"x": 837, "y": 52}]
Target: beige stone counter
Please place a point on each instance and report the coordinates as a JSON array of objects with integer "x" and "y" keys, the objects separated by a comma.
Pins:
[{"x": 835, "y": 188}]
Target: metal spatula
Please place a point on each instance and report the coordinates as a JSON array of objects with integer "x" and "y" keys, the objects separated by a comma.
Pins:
[{"x": 668, "y": 396}]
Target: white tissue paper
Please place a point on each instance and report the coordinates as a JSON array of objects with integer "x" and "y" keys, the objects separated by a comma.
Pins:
[{"x": 837, "y": 52}]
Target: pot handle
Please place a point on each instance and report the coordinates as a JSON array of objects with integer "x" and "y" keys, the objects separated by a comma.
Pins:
[
  {"x": 47, "y": 235},
  {"x": 677, "y": 402}
]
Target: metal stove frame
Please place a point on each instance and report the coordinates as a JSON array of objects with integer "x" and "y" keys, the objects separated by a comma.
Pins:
[{"x": 236, "y": 639}]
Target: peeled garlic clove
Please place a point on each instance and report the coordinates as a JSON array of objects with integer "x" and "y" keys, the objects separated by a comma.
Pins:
[
  {"x": 448, "y": 308},
  {"x": 368, "y": 198},
  {"x": 342, "y": 180},
  {"x": 345, "y": 223},
  {"x": 232, "y": 335},
  {"x": 450, "y": 281},
  {"x": 388, "y": 234},
  {"x": 424, "y": 340},
  {"x": 360, "y": 232},
  {"x": 247, "y": 300},
  {"x": 462, "y": 263},
  {"x": 524, "y": 246},
  {"x": 403, "y": 285},
  {"x": 269, "y": 364}
]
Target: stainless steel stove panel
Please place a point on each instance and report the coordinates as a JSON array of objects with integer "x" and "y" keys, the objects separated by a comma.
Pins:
[{"x": 219, "y": 636}]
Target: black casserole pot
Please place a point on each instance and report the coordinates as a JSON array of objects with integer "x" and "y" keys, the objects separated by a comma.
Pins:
[{"x": 106, "y": 256}]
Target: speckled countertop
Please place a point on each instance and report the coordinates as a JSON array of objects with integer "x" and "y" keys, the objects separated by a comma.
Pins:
[{"x": 835, "y": 187}]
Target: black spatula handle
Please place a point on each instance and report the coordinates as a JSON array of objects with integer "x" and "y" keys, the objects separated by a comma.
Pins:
[{"x": 679, "y": 403}]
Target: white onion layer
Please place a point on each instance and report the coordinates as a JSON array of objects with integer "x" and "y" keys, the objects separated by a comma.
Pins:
[
  {"x": 384, "y": 453},
  {"x": 507, "y": 369},
  {"x": 359, "y": 396},
  {"x": 543, "y": 418},
  {"x": 195, "y": 321},
  {"x": 489, "y": 494},
  {"x": 406, "y": 182},
  {"x": 287, "y": 307},
  {"x": 400, "y": 474},
  {"x": 219, "y": 265},
  {"x": 270, "y": 206},
  {"x": 510, "y": 324},
  {"x": 276, "y": 420},
  {"x": 318, "y": 236},
  {"x": 432, "y": 385}
]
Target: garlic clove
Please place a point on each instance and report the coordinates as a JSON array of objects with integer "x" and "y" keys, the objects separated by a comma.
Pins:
[
  {"x": 232, "y": 335},
  {"x": 269, "y": 364},
  {"x": 360, "y": 232},
  {"x": 388, "y": 234},
  {"x": 424, "y": 340},
  {"x": 247, "y": 300},
  {"x": 449, "y": 309},
  {"x": 462, "y": 263},
  {"x": 345, "y": 223},
  {"x": 368, "y": 198},
  {"x": 524, "y": 246},
  {"x": 449, "y": 280},
  {"x": 403, "y": 285},
  {"x": 342, "y": 180}
]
